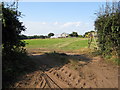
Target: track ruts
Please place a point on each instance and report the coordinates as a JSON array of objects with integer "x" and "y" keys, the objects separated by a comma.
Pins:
[{"x": 50, "y": 82}]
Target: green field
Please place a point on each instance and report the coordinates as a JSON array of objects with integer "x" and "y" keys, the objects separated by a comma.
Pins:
[{"x": 58, "y": 44}]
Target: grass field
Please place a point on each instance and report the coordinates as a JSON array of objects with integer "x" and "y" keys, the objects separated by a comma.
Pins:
[{"x": 58, "y": 44}]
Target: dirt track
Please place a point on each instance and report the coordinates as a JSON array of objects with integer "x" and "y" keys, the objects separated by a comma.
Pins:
[{"x": 50, "y": 73}]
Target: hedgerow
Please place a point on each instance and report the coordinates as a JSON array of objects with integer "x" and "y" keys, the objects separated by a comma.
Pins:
[{"x": 107, "y": 26}]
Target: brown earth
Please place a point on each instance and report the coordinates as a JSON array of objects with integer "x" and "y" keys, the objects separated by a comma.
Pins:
[{"x": 51, "y": 72}]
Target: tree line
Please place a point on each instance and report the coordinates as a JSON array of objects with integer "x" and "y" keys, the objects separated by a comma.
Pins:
[{"x": 73, "y": 34}]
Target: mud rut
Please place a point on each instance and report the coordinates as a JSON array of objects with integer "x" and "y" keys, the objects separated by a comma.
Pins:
[{"x": 90, "y": 75}]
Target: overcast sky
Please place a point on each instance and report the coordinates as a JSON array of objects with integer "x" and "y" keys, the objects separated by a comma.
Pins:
[{"x": 41, "y": 18}]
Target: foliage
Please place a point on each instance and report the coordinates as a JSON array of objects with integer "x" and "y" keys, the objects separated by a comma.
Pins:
[
  {"x": 87, "y": 34},
  {"x": 50, "y": 34},
  {"x": 13, "y": 52},
  {"x": 11, "y": 28},
  {"x": 81, "y": 36},
  {"x": 74, "y": 34},
  {"x": 107, "y": 25},
  {"x": 22, "y": 37}
]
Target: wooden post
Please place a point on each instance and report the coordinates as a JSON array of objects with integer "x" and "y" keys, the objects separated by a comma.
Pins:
[{"x": 92, "y": 39}]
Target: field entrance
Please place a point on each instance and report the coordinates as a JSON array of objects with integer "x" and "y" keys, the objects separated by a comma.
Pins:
[{"x": 66, "y": 63}]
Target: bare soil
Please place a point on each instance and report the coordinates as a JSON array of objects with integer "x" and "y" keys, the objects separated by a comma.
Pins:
[{"x": 89, "y": 72}]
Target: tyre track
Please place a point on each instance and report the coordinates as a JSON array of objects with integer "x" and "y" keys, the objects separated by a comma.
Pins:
[{"x": 50, "y": 82}]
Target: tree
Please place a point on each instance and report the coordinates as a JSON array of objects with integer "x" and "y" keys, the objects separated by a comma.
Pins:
[
  {"x": 81, "y": 36},
  {"x": 11, "y": 29},
  {"x": 87, "y": 34},
  {"x": 13, "y": 52},
  {"x": 50, "y": 34},
  {"x": 74, "y": 34},
  {"x": 22, "y": 37}
]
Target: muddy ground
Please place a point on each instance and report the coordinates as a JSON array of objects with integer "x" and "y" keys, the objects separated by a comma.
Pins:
[{"x": 55, "y": 70}]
